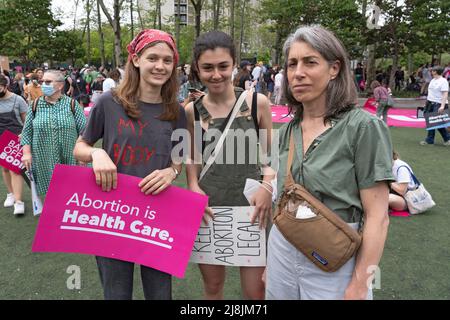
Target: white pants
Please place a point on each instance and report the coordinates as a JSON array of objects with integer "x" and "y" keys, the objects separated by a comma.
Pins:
[{"x": 292, "y": 276}]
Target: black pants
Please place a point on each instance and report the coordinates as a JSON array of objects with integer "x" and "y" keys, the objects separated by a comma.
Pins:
[{"x": 116, "y": 277}]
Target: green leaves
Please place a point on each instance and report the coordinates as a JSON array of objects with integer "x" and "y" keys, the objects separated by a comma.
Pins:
[{"x": 27, "y": 29}]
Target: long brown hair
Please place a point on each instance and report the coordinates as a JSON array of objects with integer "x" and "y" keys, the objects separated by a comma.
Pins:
[{"x": 127, "y": 93}]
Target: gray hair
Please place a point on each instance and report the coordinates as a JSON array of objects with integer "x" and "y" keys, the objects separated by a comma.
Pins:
[
  {"x": 341, "y": 92},
  {"x": 59, "y": 76},
  {"x": 438, "y": 69}
]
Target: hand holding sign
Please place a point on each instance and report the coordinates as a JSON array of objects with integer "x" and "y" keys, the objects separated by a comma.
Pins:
[
  {"x": 105, "y": 170},
  {"x": 208, "y": 211},
  {"x": 157, "y": 181},
  {"x": 11, "y": 152},
  {"x": 231, "y": 239},
  {"x": 438, "y": 119}
]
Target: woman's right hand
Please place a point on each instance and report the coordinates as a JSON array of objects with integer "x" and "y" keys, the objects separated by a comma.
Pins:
[
  {"x": 208, "y": 211},
  {"x": 105, "y": 170},
  {"x": 195, "y": 95},
  {"x": 27, "y": 159}
]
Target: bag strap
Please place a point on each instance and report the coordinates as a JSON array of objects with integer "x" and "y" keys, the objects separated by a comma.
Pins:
[
  {"x": 72, "y": 106},
  {"x": 289, "y": 180},
  {"x": 255, "y": 112},
  {"x": 36, "y": 101},
  {"x": 219, "y": 145},
  {"x": 416, "y": 181},
  {"x": 34, "y": 106}
]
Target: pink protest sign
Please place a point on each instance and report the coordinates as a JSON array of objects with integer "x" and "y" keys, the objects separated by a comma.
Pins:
[
  {"x": 11, "y": 152},
  {"x": 155, "y": 231}
]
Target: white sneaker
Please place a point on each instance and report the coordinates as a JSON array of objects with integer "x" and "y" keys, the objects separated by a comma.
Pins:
[
  {"x": 9, "y": 202},
  {"x": 19, "y": 207}
]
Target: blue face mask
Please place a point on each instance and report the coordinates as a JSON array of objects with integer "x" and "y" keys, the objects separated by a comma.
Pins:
[{"x": 47, "y": 90}]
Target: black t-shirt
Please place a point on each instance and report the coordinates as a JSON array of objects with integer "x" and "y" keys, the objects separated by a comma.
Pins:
[
  {"x": 79, "y": 87},
  {"x": 137, "y": 147},
  {"x": 97, "y": 86},
  {"x": 359, "y": 71},
  {"x": 244, "y": 79}
]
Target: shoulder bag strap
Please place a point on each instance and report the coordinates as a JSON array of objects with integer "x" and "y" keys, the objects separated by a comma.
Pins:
[
  {"x": 219, "y": 145},
  {"x": 289, "y": 180},
  {"x": 34, "y": 106},
  {"x": 255, "y": 112},
  {"x": 416, "y": 181}
]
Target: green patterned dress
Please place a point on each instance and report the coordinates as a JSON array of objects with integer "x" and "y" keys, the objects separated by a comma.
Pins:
[{"x": 52, "y": 132}]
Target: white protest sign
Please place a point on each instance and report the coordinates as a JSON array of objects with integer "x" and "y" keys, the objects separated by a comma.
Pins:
[
  {"x": 37, "y": 203},
  {"x": 230, "y": 239}
]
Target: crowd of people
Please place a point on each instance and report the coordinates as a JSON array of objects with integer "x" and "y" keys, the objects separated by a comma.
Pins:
[
  {"x": 265, "y": 79},
  {"x": 82, "y": 84},
  {"x": 331, "y": 136},
  {"x": 417, "y": 81}
]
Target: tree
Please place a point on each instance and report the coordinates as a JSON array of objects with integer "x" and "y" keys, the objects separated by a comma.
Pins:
[
  {"x": 430, "y": 25},
  {"x": 158, "y": 13},
  {"x": 115, "y": 24},
  {"x": 101, "y": 36},
  {"x": 132, "y": 19},
  {"x": 88, "y": 25},
  {"x": 28, "y": 37},
  {"x": 177, "y": 24},
  {"x": 138, "y": 9},
  {"x": 340, "y": 16},
  {"x": 231, "y": 3},
  {"x": 198, "y": 5},
  {"x": 216, "y": 13},
  {"x": 69, "y": 46}
]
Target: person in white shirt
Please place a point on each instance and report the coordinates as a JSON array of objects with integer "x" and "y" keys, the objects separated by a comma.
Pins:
[
  {"x": 257, "y": 74},
  {"x": 437, "y": 101},
  {"x": 112, "y": 80},
  {"x": 403, "y": 183},
  {"x": 278, "y": 92}
]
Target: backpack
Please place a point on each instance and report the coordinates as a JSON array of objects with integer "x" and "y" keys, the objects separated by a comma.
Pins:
[
  {"x": 267, "y": 76},
  {"x": 35, "y": 103}
]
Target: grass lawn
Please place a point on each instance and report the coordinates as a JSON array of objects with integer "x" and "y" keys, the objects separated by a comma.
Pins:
[{"x": 415, "y": 264}]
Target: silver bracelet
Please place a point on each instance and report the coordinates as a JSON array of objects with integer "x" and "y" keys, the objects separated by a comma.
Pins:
[{"x": 176, "y": 172}]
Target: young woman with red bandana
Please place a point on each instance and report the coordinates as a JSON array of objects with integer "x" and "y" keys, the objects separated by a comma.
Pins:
[{"x": 136, "y": 121}]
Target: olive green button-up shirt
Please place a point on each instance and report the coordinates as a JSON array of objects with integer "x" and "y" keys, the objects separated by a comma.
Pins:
[{"x": 354, "y": 154}]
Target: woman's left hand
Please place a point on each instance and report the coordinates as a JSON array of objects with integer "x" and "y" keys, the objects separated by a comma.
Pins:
[
  {"x": 356, "y": 291},
  {"x": 262, "y": 200},
  {"x": 157, "y": 181}
]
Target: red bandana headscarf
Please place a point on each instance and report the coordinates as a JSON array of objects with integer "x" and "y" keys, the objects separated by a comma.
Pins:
[{"x": 148, "y": 36}]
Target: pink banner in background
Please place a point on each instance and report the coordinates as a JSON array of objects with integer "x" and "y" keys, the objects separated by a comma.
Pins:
[
  {"x": 396, "y": 117},
  {"x": 155, "y": 231},
  {"x": 11, "y": 152}
]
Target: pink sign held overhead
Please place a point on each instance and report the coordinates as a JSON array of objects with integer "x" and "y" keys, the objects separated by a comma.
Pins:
[
  {"x": 125, "y": 224},
  {"x": 11, "y": 152}
]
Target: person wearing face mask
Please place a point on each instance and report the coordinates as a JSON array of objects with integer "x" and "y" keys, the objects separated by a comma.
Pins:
[
  {"x": 52, "y": 126},
  {"x": 33, "y": 90},
  {"x": 12, "y": 115}
]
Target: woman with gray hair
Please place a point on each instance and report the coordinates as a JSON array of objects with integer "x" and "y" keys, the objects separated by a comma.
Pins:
[
  {"x": 342, "y": 156},
  {"x": 52, "y": 126}
]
